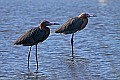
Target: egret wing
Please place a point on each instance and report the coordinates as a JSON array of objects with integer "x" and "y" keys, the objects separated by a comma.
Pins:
[
  {"x": 30, "y": 37},
  {"x": 70, "y": 26}
]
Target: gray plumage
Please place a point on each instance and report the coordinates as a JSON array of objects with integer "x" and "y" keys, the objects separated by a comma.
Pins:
[
  {"x": 32, "y": 37},
  {"x": 71, "y": 26}
]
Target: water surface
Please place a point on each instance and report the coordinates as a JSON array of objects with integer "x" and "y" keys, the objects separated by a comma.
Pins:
[{"x": 97, "y": 47}]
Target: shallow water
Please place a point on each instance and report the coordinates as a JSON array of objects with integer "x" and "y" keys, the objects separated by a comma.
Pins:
[{"x": 96, "y": 48}]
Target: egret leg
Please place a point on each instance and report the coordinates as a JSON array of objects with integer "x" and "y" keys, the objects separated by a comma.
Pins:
[
  {"x": 72, "y": 44},
  {"x": 29, "y": 56},
  {"x": 36, "y": 57}
]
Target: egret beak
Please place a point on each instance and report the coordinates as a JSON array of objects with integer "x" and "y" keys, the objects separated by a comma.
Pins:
[
  {"x": 54, "y": 23},
  {"x": 92, "y": 15}
]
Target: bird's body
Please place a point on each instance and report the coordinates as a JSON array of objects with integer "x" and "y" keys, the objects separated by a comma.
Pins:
[
  {"x": 34, "y": 36},
  {"x": 73, "y": 25}
]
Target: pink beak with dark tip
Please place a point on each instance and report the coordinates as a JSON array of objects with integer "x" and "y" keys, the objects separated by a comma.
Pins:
[{"x": 92, "y": 15}]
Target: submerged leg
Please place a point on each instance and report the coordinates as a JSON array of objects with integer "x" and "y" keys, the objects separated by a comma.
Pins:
[
  {"x": 72, "y": 44},
  {"x": 36, "y": 57},
  {"x": 29, "y": 56}
]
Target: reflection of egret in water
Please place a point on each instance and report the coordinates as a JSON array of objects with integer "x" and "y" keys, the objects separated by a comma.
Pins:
[
  {"x": 77, "y": 68},
  {"x": 31, "y": 75},
  {"x": 34, "y": 76}
]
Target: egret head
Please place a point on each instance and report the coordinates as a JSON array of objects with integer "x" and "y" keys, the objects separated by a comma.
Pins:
[
  {"x": 86, "y": 15},
  {"x": 47, "y": 23}
]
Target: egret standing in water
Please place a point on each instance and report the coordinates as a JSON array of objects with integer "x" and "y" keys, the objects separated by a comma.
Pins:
[
  {"x": 73, "y": 25},
  {"x": 34, "y": 36}
]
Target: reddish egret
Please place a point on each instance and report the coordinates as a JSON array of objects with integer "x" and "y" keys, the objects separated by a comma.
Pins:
[
  {"x": 34, "y": 36},
  {"x": 73, "y": 25}
]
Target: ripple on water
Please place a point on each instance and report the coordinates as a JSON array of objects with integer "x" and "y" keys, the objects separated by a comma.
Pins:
[{"x": 96, "y": 48}]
